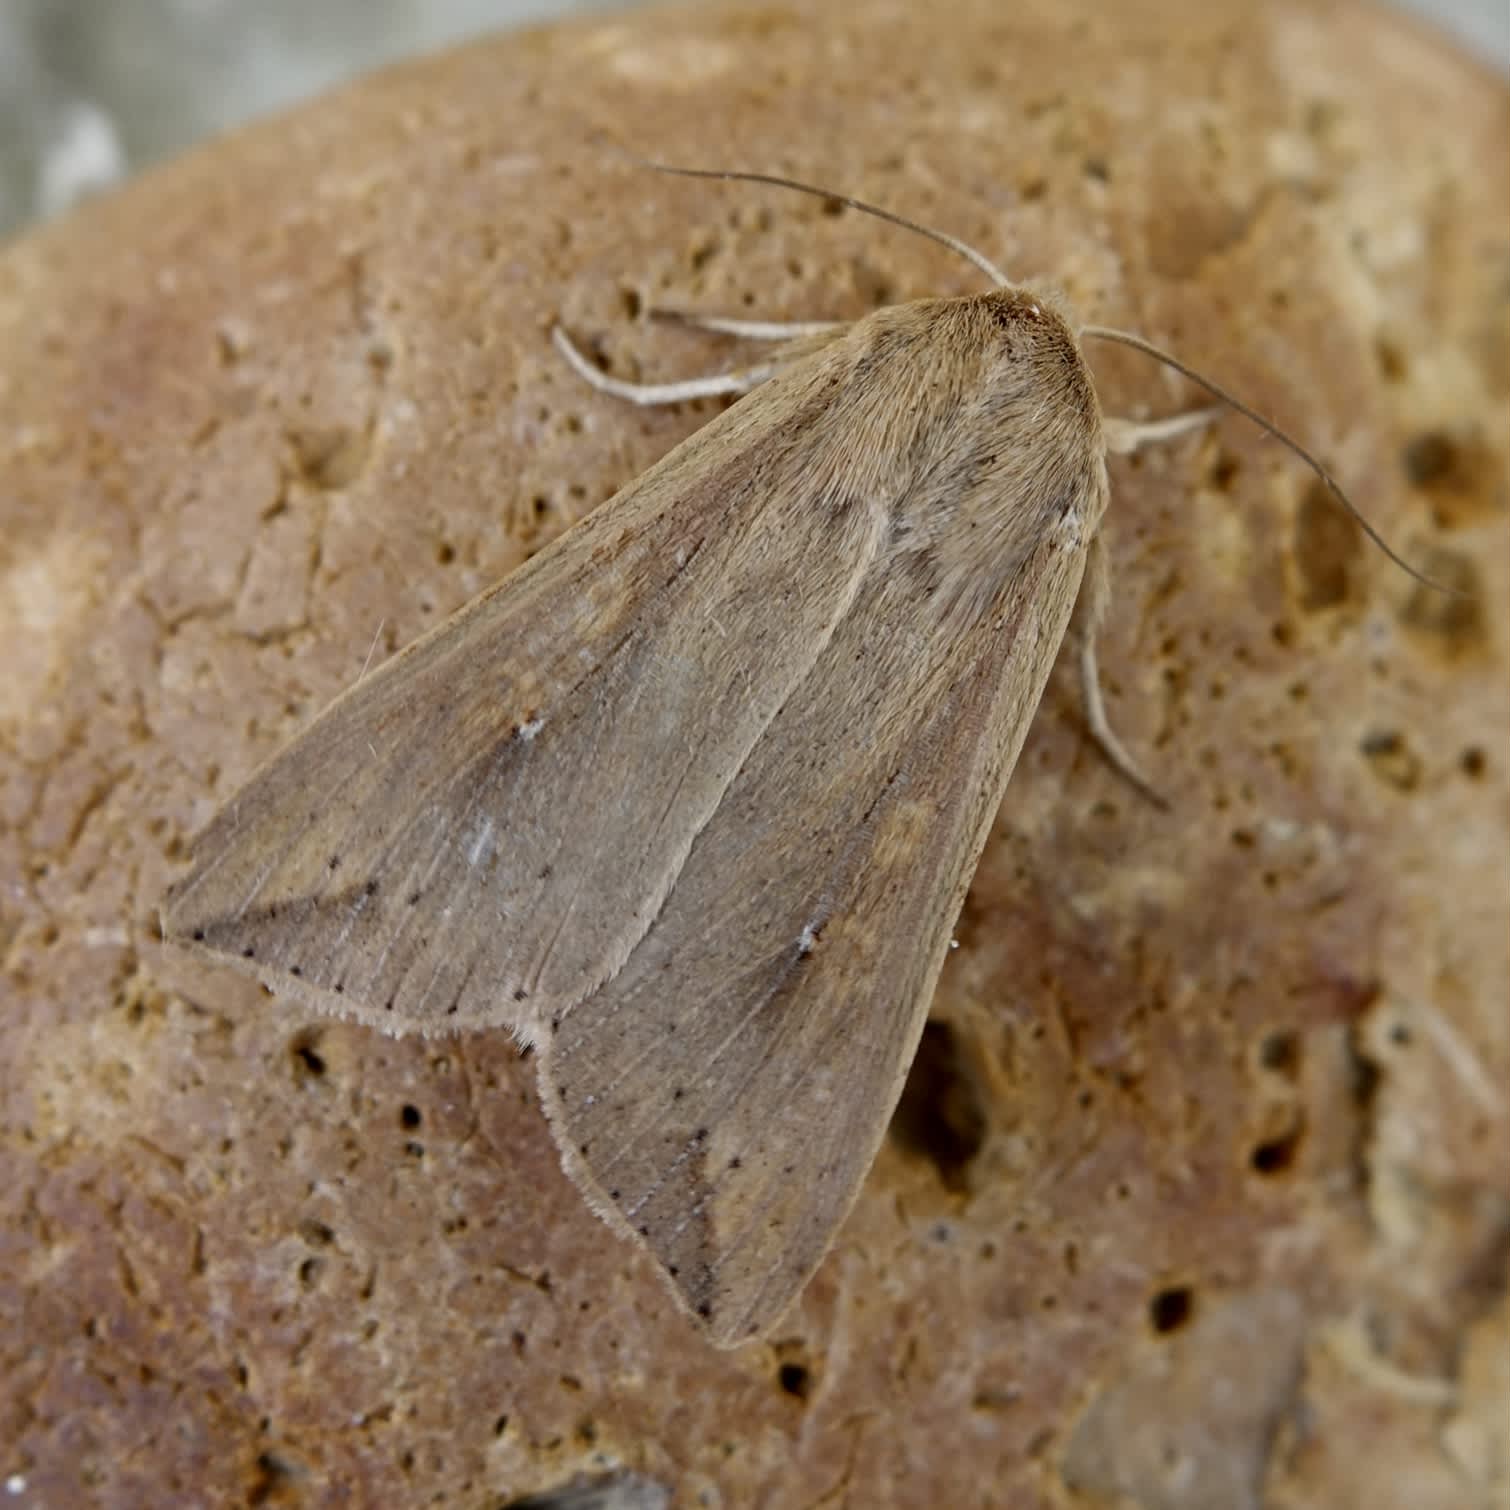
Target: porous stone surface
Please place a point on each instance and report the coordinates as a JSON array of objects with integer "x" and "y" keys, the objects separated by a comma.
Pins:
[{"x": 1200, "y": 1192}]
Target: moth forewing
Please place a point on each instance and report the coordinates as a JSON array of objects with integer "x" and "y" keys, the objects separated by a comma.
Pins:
[
  {"x": 723, "y": 1095},
  {"x": 477, "y": 832},
  {"x": 693, "y": 797}
]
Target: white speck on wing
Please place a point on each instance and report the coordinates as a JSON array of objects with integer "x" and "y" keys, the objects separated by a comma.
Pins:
[
  {"x": 1069, "y": 527},
  {"x": 481, "y": 845}
]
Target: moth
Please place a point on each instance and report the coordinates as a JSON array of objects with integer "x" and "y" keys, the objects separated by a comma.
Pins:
[{"x": 690, "y": 801}]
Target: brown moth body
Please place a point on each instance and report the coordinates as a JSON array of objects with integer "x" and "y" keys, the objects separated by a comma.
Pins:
[
  {"x": 715, "y": 768},
  {"x": 690, "y": 801}
]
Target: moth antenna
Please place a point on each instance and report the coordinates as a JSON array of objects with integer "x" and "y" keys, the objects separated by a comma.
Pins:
[
  {"x": 1125, "y": 338},
  {"x": 977, "y": 259}
]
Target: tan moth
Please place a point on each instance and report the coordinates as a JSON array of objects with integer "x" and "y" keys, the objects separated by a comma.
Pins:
[{"x": 690, "y": 801}]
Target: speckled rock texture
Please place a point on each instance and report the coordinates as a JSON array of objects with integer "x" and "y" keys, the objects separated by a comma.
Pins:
[{"x": 1200, "y": 1193}]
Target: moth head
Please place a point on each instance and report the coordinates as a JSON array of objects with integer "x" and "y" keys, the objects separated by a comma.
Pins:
[
  {"x": 1042, "y": 329},
  {"x": 1033, "y": 360}
]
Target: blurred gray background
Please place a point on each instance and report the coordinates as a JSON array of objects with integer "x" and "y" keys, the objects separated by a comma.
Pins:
[{"x": 91, "y": 90}]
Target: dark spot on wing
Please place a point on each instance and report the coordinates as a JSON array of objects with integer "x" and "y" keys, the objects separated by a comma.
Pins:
[{"x": 922, "y": 570}]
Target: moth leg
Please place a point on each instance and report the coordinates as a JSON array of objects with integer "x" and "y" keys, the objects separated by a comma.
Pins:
[
  {"x": 1124, "y": 436},
  {"x": 1090, "y": 609},
  {"x": 662, "y": 393},
  {"x": 751, "y": 330}
]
